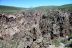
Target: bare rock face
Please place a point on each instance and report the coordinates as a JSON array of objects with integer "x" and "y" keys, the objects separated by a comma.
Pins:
[{"x": 34, "y": 29}]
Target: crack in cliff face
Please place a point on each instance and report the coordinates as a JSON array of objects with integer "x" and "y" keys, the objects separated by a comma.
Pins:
[{"x": 34, "y": 29}]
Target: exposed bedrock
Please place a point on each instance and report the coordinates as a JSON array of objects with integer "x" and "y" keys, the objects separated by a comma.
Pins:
[{"x": 34, "y": 29}]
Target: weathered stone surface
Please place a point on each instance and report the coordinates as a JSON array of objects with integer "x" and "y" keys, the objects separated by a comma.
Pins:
[{"x": 35, "y": 29}]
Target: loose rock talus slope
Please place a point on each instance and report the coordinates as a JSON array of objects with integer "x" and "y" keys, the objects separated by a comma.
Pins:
[{"x": 38, "y": 29}]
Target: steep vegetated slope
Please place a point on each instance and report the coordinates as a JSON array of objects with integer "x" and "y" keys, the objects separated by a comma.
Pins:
[{"x": 36, "y": 28}]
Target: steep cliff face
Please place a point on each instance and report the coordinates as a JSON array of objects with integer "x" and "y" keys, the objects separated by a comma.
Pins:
[{"x": 34, "y": 29}]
